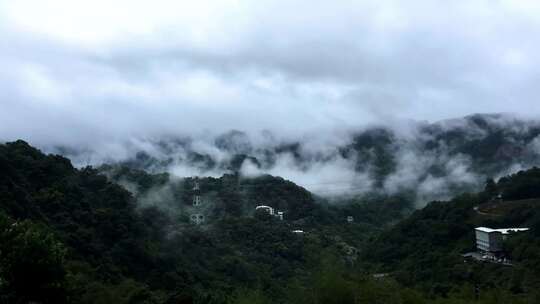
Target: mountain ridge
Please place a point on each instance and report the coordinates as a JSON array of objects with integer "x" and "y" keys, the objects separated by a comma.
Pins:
[{"x": 429, "y": 160}]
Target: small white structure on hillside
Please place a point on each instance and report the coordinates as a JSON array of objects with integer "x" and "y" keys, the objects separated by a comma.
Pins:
[
  {"x": 491, "y": 240},
  {"x": 350, "y": 219},
  {"x": 270, "y": 211}
]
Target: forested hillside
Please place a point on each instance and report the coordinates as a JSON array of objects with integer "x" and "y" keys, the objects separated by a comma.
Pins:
[
  {"x": 119, "y": 235},
  {"x": 100, "y": 244},
  {"x": 425, "y": 249}
]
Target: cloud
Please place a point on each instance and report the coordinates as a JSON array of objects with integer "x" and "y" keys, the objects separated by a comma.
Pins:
[
  {"x": 108, "y": 70},
  {"x": 331, "y": 177},
  {"x": 106, "y": 78},
  {"x": 534, "y": 145},
  {"x": 424, "y": 161}
]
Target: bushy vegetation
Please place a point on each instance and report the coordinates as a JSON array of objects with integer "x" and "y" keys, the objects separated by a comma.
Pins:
[
  {"x": 424, "y": 250},
  {"x": 114, "y": 250},
  {"x": 72, "y": 235}
]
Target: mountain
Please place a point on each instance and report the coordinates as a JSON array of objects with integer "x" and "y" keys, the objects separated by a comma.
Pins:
[
  {"x": 228, "y": 195},
  {"x": 121, "y": 235},
  {"x": 426, "y": 161},
  {"x": 85, "y": 239}
]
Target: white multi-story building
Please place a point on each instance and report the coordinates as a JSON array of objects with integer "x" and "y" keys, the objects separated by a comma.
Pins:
[{"x": 491, "y": 240}]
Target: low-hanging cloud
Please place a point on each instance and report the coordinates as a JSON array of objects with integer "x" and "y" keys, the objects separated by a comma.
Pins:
[
  {"x": 104, "y": 80},
  {"x": 425, "y": 161},
  {"x": 331, "y": 177}
]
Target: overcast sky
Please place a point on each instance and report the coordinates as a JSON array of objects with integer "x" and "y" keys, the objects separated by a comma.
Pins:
[{"x": 84, "y": 71}]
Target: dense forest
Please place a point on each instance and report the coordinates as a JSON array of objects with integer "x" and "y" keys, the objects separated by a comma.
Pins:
[{"x": 116, "y": 234}]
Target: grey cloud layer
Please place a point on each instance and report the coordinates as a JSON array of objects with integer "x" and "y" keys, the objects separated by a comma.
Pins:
[
  {"x": 111, "y": 77},
  {"x": 181, "y": 68}
]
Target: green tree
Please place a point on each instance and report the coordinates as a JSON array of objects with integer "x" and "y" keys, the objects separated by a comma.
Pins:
[{"x": 31, "y": 264}]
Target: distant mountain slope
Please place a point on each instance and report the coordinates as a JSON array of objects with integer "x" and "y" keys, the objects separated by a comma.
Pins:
[{"x": 426, "y": 160}]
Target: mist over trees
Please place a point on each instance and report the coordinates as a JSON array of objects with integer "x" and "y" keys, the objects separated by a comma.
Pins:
[
  {"x": 426, "y": 160},
  {"x": 269, "y": 152},
  {"x": 84, "y": 238}
]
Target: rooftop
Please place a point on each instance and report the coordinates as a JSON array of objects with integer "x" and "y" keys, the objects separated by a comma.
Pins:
[{"x": 503, "y": 230}]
